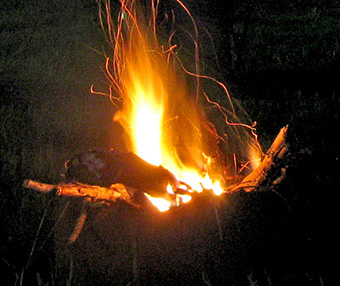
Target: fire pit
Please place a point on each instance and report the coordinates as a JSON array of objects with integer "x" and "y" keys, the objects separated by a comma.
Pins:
[{"x": 175, "y": 152}]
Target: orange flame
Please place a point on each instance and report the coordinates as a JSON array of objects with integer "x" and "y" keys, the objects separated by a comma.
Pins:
[{"x": 164, "y": 122}]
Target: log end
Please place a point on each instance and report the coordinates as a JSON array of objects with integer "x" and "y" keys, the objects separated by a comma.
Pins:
[{"x": 37, "y": 186}]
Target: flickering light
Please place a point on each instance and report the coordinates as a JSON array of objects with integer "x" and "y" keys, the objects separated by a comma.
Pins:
[
  {"x": 161, "y": 204},
  {"x": 163, "y": 123}
]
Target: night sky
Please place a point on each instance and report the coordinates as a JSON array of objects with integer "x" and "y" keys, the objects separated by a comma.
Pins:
[{"x": 279, "y": 59}]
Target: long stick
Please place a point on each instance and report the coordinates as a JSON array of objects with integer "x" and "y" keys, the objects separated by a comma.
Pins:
[
  {"x": 79, "y": 225},
  {"x": 90, "y": 192}
]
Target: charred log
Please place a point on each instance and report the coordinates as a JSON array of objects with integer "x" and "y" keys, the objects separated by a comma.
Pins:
[{"x": 104, "y": 168}]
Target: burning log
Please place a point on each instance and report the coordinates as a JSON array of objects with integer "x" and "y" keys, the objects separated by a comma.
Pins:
[{"x": 104, "y": 168}]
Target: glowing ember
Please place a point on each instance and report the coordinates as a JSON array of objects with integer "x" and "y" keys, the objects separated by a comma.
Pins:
[
  {"x": 217, "y": 189},
  {"x": 162, "y": 204},
  {"x": 165, "y": 124}
]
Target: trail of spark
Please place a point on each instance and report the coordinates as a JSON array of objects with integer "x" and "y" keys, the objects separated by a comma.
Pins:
[
  {"x": 214, "y": 80},
  {"x": 197, "y": 66}
]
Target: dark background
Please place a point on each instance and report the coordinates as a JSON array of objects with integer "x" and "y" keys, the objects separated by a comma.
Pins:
[{"x": 280, "y": 60}]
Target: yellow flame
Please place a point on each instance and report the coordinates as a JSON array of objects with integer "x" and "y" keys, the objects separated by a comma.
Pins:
[
  {"x": 161, "y": 204},
  {"x": 148, "y": 140},
  {"x": 217, "y": 189},
  {"x": 162, "y": 120},
  {"x": 156, "y": 103},
  {"x": 184, "y": 199}
]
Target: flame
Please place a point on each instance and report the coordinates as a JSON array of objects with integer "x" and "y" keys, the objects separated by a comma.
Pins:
[
  {"x": 162, "y": 119},
  {"x": 217, "y": 189},
  {"x": 161, "y": 204}
]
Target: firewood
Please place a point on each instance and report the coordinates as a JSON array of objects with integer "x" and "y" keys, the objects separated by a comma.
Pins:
[
  {"x": 79, "y": 224},
  {"x": 133, "y": 172},
  {"x": 276, "y": 151},
  {"x": 40, "y": 187},
  {"x": 121, "y": 191},
  {"x": 90, "y": 192},
  {"x": 107, "y": 167}
]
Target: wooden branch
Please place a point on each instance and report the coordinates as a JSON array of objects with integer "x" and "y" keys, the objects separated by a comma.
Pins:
[
  {"x": 79, "y": 224},
  {"x": 40, "y": 187},
  {"x": 276, "y": 151},
  {"x": 91, "y": 193},
  {"x": 106, "y": 167}
]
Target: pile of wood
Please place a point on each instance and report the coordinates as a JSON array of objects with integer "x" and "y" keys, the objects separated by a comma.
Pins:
[{"x": 107, "y": 176}]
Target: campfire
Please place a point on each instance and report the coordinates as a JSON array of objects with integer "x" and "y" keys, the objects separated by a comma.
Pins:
[{"x": 174, "y": 151}]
